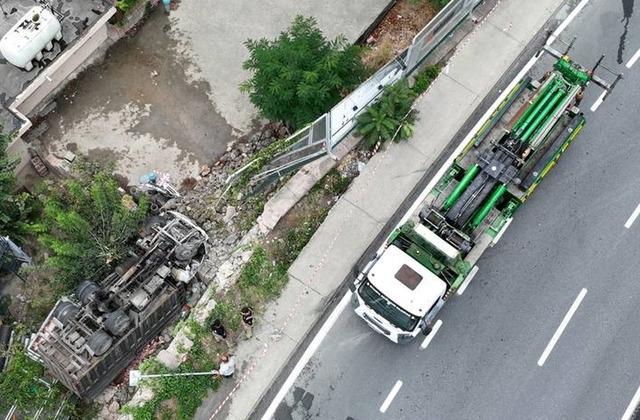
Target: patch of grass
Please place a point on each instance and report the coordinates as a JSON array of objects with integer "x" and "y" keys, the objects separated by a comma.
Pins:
[
  {"x": 335, "y": 183},
  {"x": 261, "y": 277},
  {"x": 186, "y": 393},
  {"x": 227, "y": 311},
  {"x": 440, "y": 3},
  {"x": 375, "y": 58}
]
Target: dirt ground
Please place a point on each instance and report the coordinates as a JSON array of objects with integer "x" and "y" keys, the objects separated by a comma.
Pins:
[
  {"x": 396, "y": 31},
  {"x": 138, "y": 110}
]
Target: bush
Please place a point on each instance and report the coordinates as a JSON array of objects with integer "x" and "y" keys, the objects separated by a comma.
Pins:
[
  {"x": 16, "y": 210},
  {"x": 390, "y": 118},
  {"x": 424, "y": 79},
  {"x": 300, "y": 75},
  {"x": 125, "y": 5}
]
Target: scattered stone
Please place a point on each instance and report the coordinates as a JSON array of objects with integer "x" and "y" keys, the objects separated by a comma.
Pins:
[
  {"x": 229, "y": 214},
  {"x": 113, "y": 407},
  {"x": 205, "y": 170},
  {"x": 361, "y": 166},
  {"x": 231, "y": 239},
  {"x": 107, "y": 395}
]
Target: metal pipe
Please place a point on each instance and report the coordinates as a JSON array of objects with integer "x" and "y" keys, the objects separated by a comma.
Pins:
[
  {"x": 488, "y": 205},
  {"x": 544, "y": 114},
  {"x": 462, "y": 185},
  {"x": 537, "y": 108},
  {"x": 544, "y": 94}
]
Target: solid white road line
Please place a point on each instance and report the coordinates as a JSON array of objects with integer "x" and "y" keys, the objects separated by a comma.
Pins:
[
  {"x": 628, "y": 413},
  {"x": 633, "y": 217},
  {"x": 598, "y": 101},
  {"x": 466, "y": 282},
  {"x": 562, "y": 326},
  {"x": 391, "y": 396},
  {"x": 313, "y": 346},
  {"x": 432, "y": 334},
  {"x": 566, "y": 22},
  {"x": 633, "y": 60}
]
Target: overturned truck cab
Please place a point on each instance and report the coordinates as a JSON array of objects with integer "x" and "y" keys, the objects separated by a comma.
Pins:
[{"x": 88, "y": 339}]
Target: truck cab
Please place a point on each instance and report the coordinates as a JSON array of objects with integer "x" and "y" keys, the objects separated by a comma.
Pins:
[{"x": 403, "y": 287}]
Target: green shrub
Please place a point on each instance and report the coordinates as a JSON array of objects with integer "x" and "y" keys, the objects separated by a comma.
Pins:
[
  {"x": 390, "y": 118},
  {"x": 440, "y": 3},
  {"x": 424, "y": 79},
  {"x": 125, "y": 5}
]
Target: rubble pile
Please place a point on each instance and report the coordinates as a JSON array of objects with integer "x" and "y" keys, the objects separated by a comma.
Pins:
[{"x": 206, "y": 199}]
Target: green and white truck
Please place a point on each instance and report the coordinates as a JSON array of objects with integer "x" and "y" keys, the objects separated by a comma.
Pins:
[{"x": 433, "y": 255}]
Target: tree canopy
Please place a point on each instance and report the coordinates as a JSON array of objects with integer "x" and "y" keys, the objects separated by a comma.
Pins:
[
  {"x": 7, "y": 185},
  {"x": 300, "y": 75},
  {"x": 87, "y": 226},
  {"x": 20, "y": 385}
]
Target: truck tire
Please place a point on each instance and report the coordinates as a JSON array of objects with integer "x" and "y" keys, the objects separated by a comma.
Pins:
[
  {"x": 117, "y": 322},
  {"x": 185, "y": 252},
  {"x": 99, "y": 342},
  {"x": 86, "y": 291},
  {"x": 65, "y": 312}
]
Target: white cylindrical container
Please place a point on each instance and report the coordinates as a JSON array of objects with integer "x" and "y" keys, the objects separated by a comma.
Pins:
[{"x": 27, "y": 38}]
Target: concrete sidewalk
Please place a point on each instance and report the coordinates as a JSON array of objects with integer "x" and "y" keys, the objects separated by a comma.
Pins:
[{"x": 372, "y": 199}]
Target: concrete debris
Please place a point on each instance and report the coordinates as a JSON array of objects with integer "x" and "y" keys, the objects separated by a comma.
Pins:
[
  {"x": 229, "y": 214},
  {"x": 205, "y": 170}
]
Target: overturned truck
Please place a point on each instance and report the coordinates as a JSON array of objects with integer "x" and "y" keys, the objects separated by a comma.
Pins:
[{"x": 88, "y": 339}]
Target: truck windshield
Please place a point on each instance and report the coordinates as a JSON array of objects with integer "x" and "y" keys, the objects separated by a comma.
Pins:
[{"x": 386, "y": 308}]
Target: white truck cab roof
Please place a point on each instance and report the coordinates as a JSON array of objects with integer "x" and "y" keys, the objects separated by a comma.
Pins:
[{"x": 406, "y": 282}]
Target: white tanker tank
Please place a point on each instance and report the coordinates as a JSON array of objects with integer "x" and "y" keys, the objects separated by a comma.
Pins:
[{"x": 27, "y": 38}]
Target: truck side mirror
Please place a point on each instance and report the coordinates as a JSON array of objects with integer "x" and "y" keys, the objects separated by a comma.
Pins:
[
  {"x": 426, "y": 329},
  {"x": 352, "y": 287}
]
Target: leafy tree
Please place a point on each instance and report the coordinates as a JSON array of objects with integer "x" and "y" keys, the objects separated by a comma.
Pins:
[
  {"x": 87, "y": 226},
  {"x": 300, "y": 75},
  {"x": 16, "y": 209},
  {"x": 20, "y": 385},
  {"x": 9, "y": 211},
  {"x": 390, "y": 118}
]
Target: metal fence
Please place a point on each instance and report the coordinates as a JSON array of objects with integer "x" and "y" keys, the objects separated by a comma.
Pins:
[
  {"x": 332, "y": 127},
  {"x": 437, "y": 30}
]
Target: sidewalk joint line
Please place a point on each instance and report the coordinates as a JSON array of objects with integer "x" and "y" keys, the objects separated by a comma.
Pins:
[{"x": 474, "y": 93}]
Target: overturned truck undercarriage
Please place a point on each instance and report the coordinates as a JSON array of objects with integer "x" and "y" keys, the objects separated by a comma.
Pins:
[{"x": 87, "y": 340}]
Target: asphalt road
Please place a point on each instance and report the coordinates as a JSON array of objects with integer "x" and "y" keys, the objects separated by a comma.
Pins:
[{"x": 483, "y": 362}]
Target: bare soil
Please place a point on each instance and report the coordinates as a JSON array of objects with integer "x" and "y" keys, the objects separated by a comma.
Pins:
[{"x": 396, "y": 31}]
